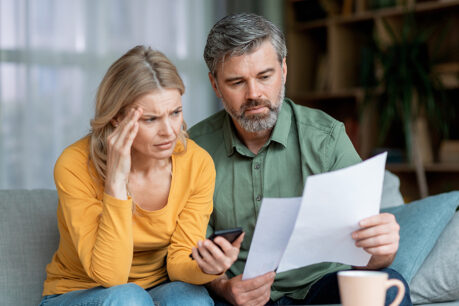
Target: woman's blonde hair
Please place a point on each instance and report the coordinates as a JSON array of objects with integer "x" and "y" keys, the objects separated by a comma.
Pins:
[{"x": 138, "y": 72}]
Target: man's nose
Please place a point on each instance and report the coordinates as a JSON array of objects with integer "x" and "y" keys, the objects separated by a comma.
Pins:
[{"x": 253, "y": 90}]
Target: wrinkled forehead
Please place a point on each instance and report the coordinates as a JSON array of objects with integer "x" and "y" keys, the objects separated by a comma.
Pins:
[{"x": 158, "y": 100}]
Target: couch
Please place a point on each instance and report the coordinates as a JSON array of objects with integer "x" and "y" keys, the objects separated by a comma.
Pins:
[{"x": 29, "y": 237}]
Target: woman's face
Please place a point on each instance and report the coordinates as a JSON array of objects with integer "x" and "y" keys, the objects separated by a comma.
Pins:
[{"x": 159, "y": 125}]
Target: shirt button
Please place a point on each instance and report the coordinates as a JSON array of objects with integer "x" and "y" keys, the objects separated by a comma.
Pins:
[
  {"x": 259, "y": 197},
  {"x": 257, "y": 166}
]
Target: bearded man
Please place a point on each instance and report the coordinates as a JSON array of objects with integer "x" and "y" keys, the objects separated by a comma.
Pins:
[{"x": 264, "y": 145}]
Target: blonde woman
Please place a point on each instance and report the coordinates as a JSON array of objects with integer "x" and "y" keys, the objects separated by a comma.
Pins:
[{"x": 135, "y": 197}]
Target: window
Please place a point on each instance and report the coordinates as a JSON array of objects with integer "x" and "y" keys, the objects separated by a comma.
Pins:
[{"x": 53, "y": 55}]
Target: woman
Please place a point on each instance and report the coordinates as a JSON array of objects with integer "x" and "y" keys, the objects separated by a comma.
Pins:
[{"x": 135, "y": 196}]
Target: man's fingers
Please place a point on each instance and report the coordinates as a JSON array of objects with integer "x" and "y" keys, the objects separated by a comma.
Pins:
[
  {"x": 388, "y": 249},
  {"x": 262, "y": 298},
  {"x": 377, "y": 241},
  {"x": 260, "y": 295},
  {"x": 377, "y": 220},
  {"x": 260, "y": 281},
  {"x": 374, "y": 231}
]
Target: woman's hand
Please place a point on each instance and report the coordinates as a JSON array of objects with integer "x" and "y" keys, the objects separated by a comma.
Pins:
[
  {"x": 218, "y": 256},
  {"x": 119, "y": 144}
]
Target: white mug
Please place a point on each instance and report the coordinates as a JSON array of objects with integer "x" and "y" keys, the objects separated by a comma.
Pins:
[{"x": 367, "y": 288}]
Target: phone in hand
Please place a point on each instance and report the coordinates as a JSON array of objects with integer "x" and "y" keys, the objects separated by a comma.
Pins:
[{"x": 229, "y": 234}]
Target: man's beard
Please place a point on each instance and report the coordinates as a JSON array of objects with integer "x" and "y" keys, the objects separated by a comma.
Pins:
[{"x": 257, "y": 122}]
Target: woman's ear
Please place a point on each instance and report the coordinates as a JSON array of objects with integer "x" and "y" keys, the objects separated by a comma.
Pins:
[{"x": 114, "y": 122}]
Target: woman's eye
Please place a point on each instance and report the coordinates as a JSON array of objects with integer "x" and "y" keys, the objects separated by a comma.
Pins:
[{"x": 150, "y": 119}]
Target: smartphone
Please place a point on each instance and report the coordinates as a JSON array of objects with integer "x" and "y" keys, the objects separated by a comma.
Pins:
[{"x": 229, "y": 234}]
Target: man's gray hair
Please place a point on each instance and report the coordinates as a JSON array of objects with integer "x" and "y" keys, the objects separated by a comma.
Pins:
[{"x": 239, "y": 34}]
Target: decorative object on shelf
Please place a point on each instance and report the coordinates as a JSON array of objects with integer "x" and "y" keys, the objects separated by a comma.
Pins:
[
  {"x": 332, "y": 7},
  {"x": 449, "y": 151},
  {"x": 448, "y": 74},
  {"x": 408, "y": 90}
]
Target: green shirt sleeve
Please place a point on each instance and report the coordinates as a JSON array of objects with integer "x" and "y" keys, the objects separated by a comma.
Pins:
[{"x": 342, "y": 151}]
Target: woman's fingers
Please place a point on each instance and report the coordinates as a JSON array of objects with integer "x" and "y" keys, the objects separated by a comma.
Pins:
[
  {"x": 218, "y": 256},
  {"x": 126, "y": 131},
  {"x": 119, "y": 153},
  {"x": 205, "y": 260}
]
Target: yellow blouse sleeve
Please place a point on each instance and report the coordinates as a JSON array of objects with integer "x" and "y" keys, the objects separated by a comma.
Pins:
[
  {"x": 100, "y": 230},
  {"x": 191, "y": 227}
]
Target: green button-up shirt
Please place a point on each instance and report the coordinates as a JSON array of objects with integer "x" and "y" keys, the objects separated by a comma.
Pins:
[{"x": 304, "y": 141}]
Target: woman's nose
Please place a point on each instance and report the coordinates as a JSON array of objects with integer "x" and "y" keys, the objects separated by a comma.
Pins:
[{"x": 166, "y": 127}]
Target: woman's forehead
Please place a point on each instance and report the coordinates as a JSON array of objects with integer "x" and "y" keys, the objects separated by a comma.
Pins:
[{"x": 158, "y": 100}]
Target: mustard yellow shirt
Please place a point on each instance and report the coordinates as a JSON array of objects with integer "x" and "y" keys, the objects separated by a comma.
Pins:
[{"x": 103, "y": 243}]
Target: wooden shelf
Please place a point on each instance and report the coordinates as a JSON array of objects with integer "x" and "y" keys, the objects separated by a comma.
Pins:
[
  {"x": 435, "y": 167},
  {"x": 356, "y": 93},
  {"x": 326, "y": 59},
  {"x": 368, "y": 15},
  {"x": 452, "y": 67},
  {"x": 310, "y": 25}
]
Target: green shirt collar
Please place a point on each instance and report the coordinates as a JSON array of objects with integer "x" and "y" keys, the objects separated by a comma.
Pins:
[{"x": 279, "y": 135}]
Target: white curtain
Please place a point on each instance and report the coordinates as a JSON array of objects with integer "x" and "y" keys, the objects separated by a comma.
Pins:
[{"x": 53, "y": 54}]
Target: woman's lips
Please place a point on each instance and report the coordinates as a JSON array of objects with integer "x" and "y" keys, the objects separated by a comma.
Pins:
[{"x": 165, "y": 145}]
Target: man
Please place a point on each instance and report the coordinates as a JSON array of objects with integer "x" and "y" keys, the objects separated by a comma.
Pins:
[{"x": 266, "y": 146}]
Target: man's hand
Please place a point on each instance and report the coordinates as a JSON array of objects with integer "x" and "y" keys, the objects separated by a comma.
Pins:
[
  {"x": 254, "y": 291},
  {"x": 379, "y": 236}
]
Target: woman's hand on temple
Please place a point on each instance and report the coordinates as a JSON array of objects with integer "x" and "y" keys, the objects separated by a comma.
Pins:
[
  {"x": 119, "y": 144},
  {"x": 218, "y": 256}
]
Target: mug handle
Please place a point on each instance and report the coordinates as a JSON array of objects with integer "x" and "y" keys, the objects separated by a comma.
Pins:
[{"x": 400, "y": 293}]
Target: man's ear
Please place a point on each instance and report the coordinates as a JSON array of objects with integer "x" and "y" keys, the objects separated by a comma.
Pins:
[
  {"x": 284, "y": 69},
  {"x": 213, "y": 82}
]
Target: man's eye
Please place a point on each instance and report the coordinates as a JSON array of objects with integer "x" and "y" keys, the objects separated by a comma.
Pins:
[
  {"x": 265, "y": 77},
  {"x": 176, "y": 112},
  {"x": 237, "y": 83}
]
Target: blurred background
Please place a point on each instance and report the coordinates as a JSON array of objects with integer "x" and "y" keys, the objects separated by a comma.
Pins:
[
  {"x": 54, "y": 53},
  {"x": 389, "y": 69}
]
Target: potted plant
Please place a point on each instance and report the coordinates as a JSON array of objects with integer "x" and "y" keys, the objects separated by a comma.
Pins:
[{"x": 403, "y": 86}]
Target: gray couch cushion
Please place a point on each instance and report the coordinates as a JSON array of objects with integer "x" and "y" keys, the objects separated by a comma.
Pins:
[
  {"x": 438, "y": 278},
  {"x": 28, "y": 239}
]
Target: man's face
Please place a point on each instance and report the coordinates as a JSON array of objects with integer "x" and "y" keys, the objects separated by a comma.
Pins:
[{"x": 251, "y": 87}]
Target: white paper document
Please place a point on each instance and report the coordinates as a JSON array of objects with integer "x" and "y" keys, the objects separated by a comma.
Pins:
[{"x": 297, "y": 232}]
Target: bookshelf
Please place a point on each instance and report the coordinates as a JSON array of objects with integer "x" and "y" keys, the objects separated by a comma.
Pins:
[{"x": 326, "y": 49}]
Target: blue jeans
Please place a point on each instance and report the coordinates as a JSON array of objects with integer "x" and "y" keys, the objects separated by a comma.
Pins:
[
  {"x": 326, "y": 291},
  {"x": 170, "y": 293}
]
